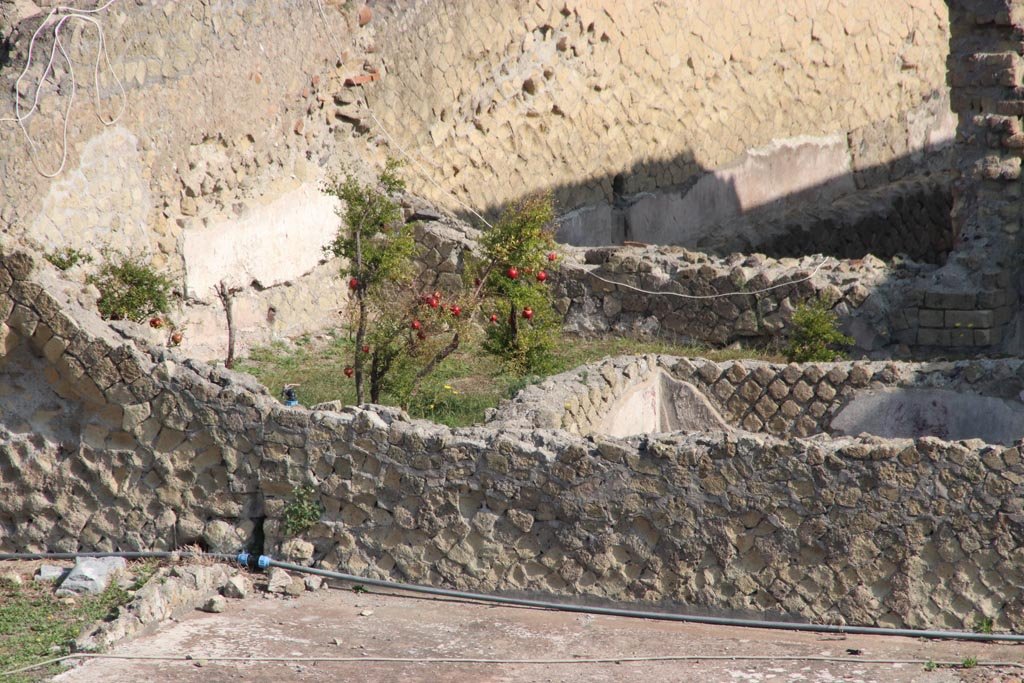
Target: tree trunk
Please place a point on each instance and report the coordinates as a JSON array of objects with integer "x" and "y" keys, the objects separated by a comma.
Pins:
[
  {"x": 379, "y": 367},
  {"x": 360, "y": 292},
  {"x": 225, "y": 295},
  {"x": 448, "y": 350},
  {"x": 513, "y": 324}
]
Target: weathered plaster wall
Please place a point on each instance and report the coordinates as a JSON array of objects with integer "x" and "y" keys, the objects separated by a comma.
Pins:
[
  {"x": 232, "y": 107},
  {"x": 516, "y": 97},
  {"x": 915, "y": 532},
  {"x": 909, "y": 217},
  {"x": 211, "y": 172}
]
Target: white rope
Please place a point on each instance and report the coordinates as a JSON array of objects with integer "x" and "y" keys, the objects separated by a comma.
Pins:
[
  {"x": 314, "y": 659},
  {"x": 68, "y": 13},
  {"x": 719, "y": 295}
]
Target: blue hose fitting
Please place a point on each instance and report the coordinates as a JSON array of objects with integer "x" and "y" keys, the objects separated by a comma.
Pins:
[
  {"x": 243, "y": 559},
  {"x": 263, "y": 562}
]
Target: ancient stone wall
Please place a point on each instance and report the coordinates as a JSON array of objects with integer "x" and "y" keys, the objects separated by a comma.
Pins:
[
  {"x": 167, "y": 451},
  {"x": 906, "y": 219},
  {"x": 711, "y": 300},
  {"x": 234, "y": 112},
  {"x": 974, "y": 300},
  {"x": 638, "y": 395},
  {"x": 517, "y": 97},
  {"x": 211, "y": 172}
]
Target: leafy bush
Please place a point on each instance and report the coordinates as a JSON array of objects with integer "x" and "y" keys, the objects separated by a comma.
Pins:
[
  {"x": 518, "y": 257},
  {"x": 814, "y": 336},
  {"x": 403, "y": 327},
  {"x": 130, "y": 289},
  {"x": 302, "y": 512}
]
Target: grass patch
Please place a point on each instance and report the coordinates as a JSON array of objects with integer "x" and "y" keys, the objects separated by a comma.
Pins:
[
  {"x": 35, "y": 625},
  {"x": 464, "y": 386}
]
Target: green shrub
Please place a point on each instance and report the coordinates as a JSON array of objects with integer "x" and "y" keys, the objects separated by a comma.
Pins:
[
  {"x": 302, "y": 512},
  {"x": 67, "y": 258},
  {"x": 525, "y": 329},
  {"x": 130, "y": 289},
  {"x": 813, "y": 336}
]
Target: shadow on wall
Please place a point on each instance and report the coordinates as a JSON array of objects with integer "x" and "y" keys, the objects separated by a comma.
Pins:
[{"x": 794, "y": 198}]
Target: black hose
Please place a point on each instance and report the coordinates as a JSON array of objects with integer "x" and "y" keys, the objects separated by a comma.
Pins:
[
  {"x": 264, "y": 562},
  {"x": 663, "y": 616}
]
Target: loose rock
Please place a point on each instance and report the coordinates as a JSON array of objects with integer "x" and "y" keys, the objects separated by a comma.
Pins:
[
  {"x": 278, "y": 580},
  {"x": 215, "y": 605},
  {"x": 11, "y": 578},
  {"x": 237, "y": 587},
  {"x": 91, "y": 575},
  {"x": 50, "y": 572}
]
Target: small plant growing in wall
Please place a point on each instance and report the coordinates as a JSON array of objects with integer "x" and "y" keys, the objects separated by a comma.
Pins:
[
  {"x": 814, "y": 335},
  {"x": 67, "y": 258},
  {"x": 130, "y": 289},
  {"x": 302, "y": 511}
]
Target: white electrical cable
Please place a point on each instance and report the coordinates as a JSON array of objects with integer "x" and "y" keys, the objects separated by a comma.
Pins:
[
  {"x": 314, "y": 659},
  {"x": 68, "y": 13},
  {"x": 716, "y": 296}
]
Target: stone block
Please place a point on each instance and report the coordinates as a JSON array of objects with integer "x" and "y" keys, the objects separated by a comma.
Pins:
[
  {"x": 970, "y": 319},
  {"x": 23, "y": 321},
  {"x": 933, "y": 337},
  {"x": 931, "y": 318},
  {"x": 778, "y": 389},
  {"x": 167, "y": 440},
  {"x": 51, "y": 573},
  {"x": 19, "y": 264},
  {"x": 766, "y": 408},
  {"x": 859, "y": 376},
  {"x": 215, "y": 605},
  {"x": 803, "y": 392},
  {"x": 237, "y": 587},
  {"x": 278, "y": 581},
  {"x": 789, "y": 409},
  {"x": 962, "y": 301},
  {"x": 104, "y": 373},
  {"x": 988, "y": 337},
  {"x": 825, "y": 392},
  {"x": 91, "y": 575},
  {"x": 961, "y": 337},
  {"x": 752, "y": 423}
]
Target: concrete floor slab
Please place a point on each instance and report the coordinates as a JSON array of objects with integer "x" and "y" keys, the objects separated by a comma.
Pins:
[{"x": 329, "y": 624}]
